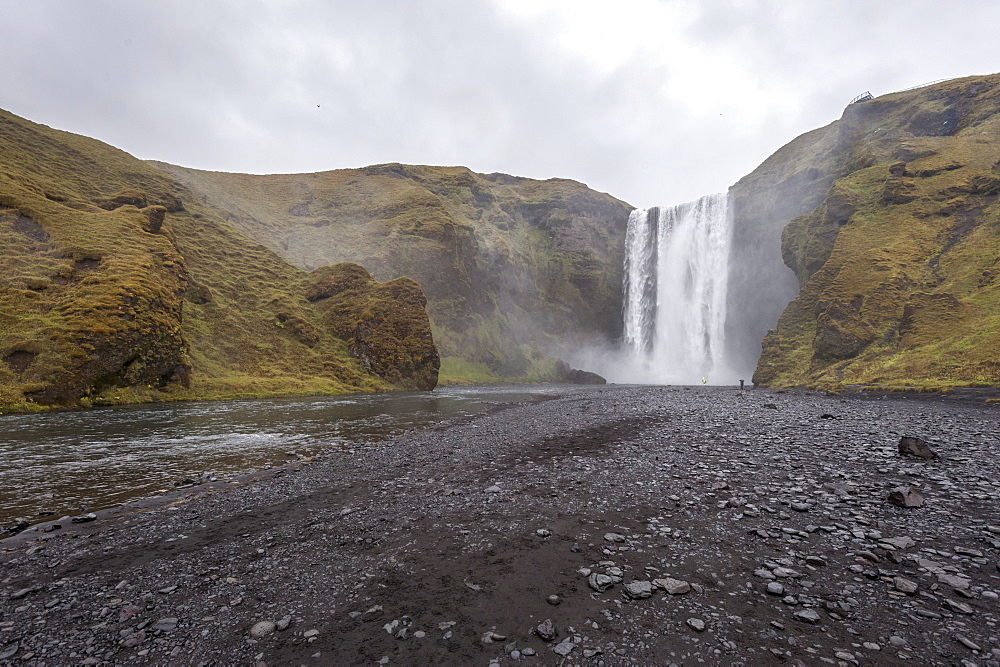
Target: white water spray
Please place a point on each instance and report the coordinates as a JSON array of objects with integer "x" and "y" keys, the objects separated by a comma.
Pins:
[{"x": 676, "y": 275}]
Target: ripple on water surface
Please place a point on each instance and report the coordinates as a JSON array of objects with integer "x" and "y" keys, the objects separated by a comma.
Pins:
[{"x": 65, "y": 462}]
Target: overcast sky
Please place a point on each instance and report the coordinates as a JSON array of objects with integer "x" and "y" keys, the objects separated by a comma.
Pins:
[{"x": 656, "y": 102}]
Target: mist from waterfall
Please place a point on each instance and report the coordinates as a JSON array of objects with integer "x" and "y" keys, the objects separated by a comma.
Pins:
[{"x": 676, "y": 279}]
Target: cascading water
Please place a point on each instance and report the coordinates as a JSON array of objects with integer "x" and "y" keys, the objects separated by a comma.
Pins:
[{"x": 676, "y": 274}]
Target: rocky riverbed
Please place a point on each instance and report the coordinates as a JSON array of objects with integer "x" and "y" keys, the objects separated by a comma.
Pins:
[{"x": 615, "y": 525}]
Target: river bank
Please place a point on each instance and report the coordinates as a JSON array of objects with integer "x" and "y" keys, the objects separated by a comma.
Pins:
[{"x": 670, "y": 524}]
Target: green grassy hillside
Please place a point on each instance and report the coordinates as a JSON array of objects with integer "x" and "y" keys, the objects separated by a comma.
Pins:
[
  {"x": 513, "y": 268},
  {"x": 118, "y": 285},
  {"x": 897, "y": 259}
]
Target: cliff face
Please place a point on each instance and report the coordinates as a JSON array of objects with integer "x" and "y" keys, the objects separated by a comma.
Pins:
[
  {"x": 118, "y": 285},
  {"x": 896, "y": 244},
  {"x": 512, "y": 267}
]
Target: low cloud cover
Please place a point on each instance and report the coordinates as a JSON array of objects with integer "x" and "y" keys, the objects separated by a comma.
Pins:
[{"x": 654, "y": 102}]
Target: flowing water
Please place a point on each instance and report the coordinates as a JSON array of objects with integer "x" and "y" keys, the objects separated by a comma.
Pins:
[
  {"x": 676, "y": 275},
  {"x": 69, "y": 462}
]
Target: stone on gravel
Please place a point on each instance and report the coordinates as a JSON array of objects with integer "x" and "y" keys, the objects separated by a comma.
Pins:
[
  {"x": 672, "y": 586},
  {"x": 166, "y": 624},
  {"x": 614, "y": 537},
  {"x": 262, "y": 629},
  {"x": 955, "y": 581},
  {"x": 904, "y": 585},
  {"x": 283, "y": 624},
  {"x": 916, "y": 447},
  {"x": 600, "y": 582},
  {"x": 639, "y": 590},
  {"x": 546, "y": 630},
  {"x": 903, "y": 542},
  {"x": 906, "y": 496},
  {"x": 565, "y": 647},
  {"x": 696, "y": 624},
  {"x": 810, "y": 616},
  {"x": 493, "y": 489},
  {"x": 84, "y": 518},
  {"x": 959, "y": 607},
  {"x": 774, "y": 588}
]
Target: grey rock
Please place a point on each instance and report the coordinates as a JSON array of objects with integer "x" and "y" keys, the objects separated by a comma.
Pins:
[
  {"x": 959, "y": 607},
  {"x": 565, "y": 647},
  {"x": 810, "y": 616},
  {"x": 546, "y": 630},
  {"x": 906, "y": 496},
  {"x": 955, "y": 581},
  {"x": 493, "y": 489},
  {"x": 967, "y": 643},
  {"x": 974, "y": 553},
  {"x": 897, "y": 641},
  {"x": 553, "y": 599},
  {"x": 600, "y": 582},
  {"x": 916, "y": 447},
  {"x": 9, "y": 652},
  {"x": 528, "y": 651},
  {"x": 786, "y": 573},
  {"x": 774, "y": 588},
  {"x": 21, "y": 594},
  {"x": 614, "y": 537},
  {"x": 262, "y": 629},
  {"x": 639, "y": 590},
  {"x": 283, "y": 624},
  {"x": 903, "y": 542},
  {"x": 672, "y": 586},
  {"x": 84, "y": 518},
  {"x": 904, "y": 585},
  {"x": 696, "y": 624},
  {"x": 166, "y": 624}
]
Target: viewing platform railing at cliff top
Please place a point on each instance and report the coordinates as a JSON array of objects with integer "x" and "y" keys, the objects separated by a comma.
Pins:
[{"x": 865, "y": 96}]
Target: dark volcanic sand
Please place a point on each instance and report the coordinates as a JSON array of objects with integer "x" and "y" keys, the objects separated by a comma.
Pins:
[{"x": 708, "y": 486}]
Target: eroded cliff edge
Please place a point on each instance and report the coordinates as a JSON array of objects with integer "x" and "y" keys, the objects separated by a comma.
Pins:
[{"x": 894, "y": 242}]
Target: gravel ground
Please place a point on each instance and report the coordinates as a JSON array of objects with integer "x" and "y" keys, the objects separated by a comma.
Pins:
[{"x": 615, "y": 525}]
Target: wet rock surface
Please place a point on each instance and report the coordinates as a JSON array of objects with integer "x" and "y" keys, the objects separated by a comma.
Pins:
[{"x": 671, "y": 524}]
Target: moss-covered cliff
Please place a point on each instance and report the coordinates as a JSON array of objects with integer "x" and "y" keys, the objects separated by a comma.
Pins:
[
  {"x": 513, "y": 268},
  {"x": 896, "y": 245},
  {"x": 117, "y": 285}
]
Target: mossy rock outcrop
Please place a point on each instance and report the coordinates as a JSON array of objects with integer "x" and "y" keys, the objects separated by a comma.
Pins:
[
  {"x": 514, "y": 269},
  {"x": 385, "y": 324},
  {"x": 897, "y": 258},
  {"x": 112, "y": 290}
]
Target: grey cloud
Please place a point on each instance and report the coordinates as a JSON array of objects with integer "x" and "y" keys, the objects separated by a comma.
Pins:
[{"x": 235, "y": 85}]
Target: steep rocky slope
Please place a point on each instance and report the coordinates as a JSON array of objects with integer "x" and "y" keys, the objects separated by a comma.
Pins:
[
  {"x": 896, "y": 243},
  {"x": 117, "y": 285},
  {"x": 513, "y": 268}
]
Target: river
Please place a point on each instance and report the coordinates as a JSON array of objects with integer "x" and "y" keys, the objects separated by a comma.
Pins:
[{"x": 78, "y": 461}]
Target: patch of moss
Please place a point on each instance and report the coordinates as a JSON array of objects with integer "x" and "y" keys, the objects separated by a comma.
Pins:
[{"x": 897, "y": 265}]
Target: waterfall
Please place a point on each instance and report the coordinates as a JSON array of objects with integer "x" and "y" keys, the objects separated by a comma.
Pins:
[{"x": 676, "y": 274}]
